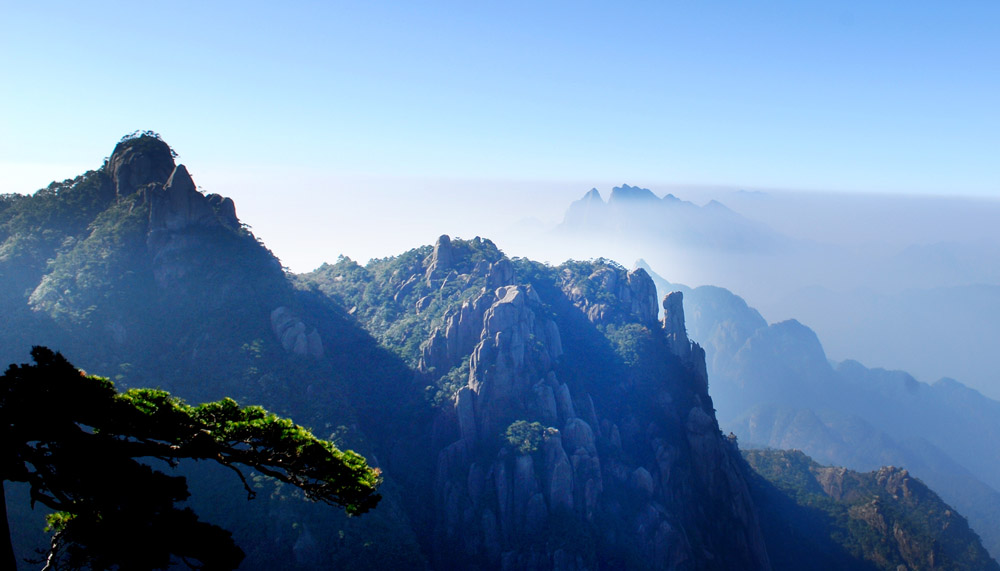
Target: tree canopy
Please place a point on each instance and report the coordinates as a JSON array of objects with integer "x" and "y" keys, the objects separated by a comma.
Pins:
[{"x": 81, "y": 446}]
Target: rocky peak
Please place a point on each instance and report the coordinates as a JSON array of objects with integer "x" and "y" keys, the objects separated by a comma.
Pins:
[
  {"x": 793, "y": 346},
  {"x": 585, "y": 212},
  {"x": 500, "y": 273},
  {"x": 139, "y": 161},
  {"x": 441, "y": 258},
  {"x": 225, "y": 208},
  {"x": 176, "y": 208},
  {"x": 612, "y": 294},
  {"x": 566, "y": 447},
  {"x": 592, "y": 196},
  {"x": 180, "y": 181},
  {"x": 626, "y": 193},
  {"x": 642, "y": 296},
  {"x": 515, "y": 350},
  {"x": 673, "y": 324},
  {"x": 179, "y": 205}
]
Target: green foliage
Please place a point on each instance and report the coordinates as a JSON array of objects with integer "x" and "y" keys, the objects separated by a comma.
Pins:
[
  {"x": 526, "y": 436},
  {"x": 882, "y": 529},
  {"x": 581, "y": 276},
  {"x": 631, "y": 342},
  {"x": 33, "y": 227},
  {"x": 143, "y": 140},
  {"x": 98, "y": 267},
  {"x": 447, "y": 387},
  {"x": 76, "y": 441},
  {"x": 383, "y": 295},
  {"x": 57, "y": 521}
]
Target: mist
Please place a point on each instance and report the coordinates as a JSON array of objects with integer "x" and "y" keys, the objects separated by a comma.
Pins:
[{"x": 895, "y": 281}]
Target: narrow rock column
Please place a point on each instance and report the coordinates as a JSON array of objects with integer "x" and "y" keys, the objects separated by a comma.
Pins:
[{"x": 673, "y": 324}]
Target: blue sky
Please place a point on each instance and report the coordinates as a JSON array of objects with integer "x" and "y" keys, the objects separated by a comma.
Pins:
[
  {"x": 876, "y": 96},
  {"x": 315, "y": 101}
]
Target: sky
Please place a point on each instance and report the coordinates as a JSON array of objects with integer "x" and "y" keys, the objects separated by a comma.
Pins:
[{"x": 319, "y": 118}]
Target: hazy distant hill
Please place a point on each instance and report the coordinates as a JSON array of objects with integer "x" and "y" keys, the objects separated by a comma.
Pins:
[
  {"x": 865, "y": 272},
  {"x": 637, "y": 214},
  {"x": 773, "y": 386},
  {"x": 524, "y": 415}
]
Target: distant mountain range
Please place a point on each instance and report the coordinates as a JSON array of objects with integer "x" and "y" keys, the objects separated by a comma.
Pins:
[
  {"x": 774, "y": 386},
  {"x": 636, "y": 213},
  {"x": 867, "y": 299},
  {"x": 525, "y": 416}
]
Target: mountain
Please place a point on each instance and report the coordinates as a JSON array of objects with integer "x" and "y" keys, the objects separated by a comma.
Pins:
[
  {"x": 573, "y": 430},
  {"x": 865, "y": 272},
  {"x": 884, "y": 519},
  {"x": 637, "y": 214},
  {"x": 523, "y": 415},
  {"x": 774, "y": 386},
  {"x": 889, "y": 327},
  {"x": 134, "y": 274}
]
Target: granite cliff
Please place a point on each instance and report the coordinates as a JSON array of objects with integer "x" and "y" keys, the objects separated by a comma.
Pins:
[{"x": 573, "y": 430}]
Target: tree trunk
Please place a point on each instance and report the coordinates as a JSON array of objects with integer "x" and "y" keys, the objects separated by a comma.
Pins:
[{"x": 7, "y": 559}]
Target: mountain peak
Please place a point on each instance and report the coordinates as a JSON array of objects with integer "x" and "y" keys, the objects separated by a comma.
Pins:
[
  {"x": 180, "y": 180},
  {"x": 717, "y": 206},
  {"x": 140, "y": 159},
  {"x": 630, "y": 193}
]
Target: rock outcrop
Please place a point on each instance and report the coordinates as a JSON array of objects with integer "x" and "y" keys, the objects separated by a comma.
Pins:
[
  {"x": 633, "y": 466},
  {"x": 886, "y": 519},
  {"x": 177, "y": 211},
  {"x": 463, "y": 325},
  {"x": 673, "y": 324},
  {"x": 178, "y": 205},
  {"x": 619, "y": 296},
  {"x": 440, "y": 260},
  {"x": 293, "y": 334},
  {"x": 137, "y": 162}
]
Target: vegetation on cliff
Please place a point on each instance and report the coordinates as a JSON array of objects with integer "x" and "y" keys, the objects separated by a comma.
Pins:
[{"x": 841, "y": 519}]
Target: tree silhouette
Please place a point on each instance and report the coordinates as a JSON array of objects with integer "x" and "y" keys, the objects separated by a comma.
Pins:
[{"x": 77, "y": 442}]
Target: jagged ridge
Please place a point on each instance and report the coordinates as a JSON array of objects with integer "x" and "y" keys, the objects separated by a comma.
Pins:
[{"x": 628, "y": 466}]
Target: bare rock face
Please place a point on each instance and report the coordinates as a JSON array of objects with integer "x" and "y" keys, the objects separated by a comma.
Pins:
[
  {"x": 225, "y": 209},
  {"x": 500, "y": 274},
  {"x": 642, "y": 295},
  {"x": 627, "y": 296},
  {"x": 179, "y": 205},
  {"x": 463, "y": 325},
  {"x": 441, "y": 259},
  {"x": 646, "y": 469},
  {"x": 175, "y": 209},
  {"x": 514, "y": 350},
  {"x": 293, "y": 334},
  {"x": 461, "y": 332},
  {"x": 673, "y": 324},
  {"x": 138, "y": 162}
]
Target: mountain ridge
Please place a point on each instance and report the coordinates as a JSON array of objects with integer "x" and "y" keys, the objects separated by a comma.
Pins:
[
  {"x": 845, "y": 413},
  {"x": 524, "y": 415}
]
